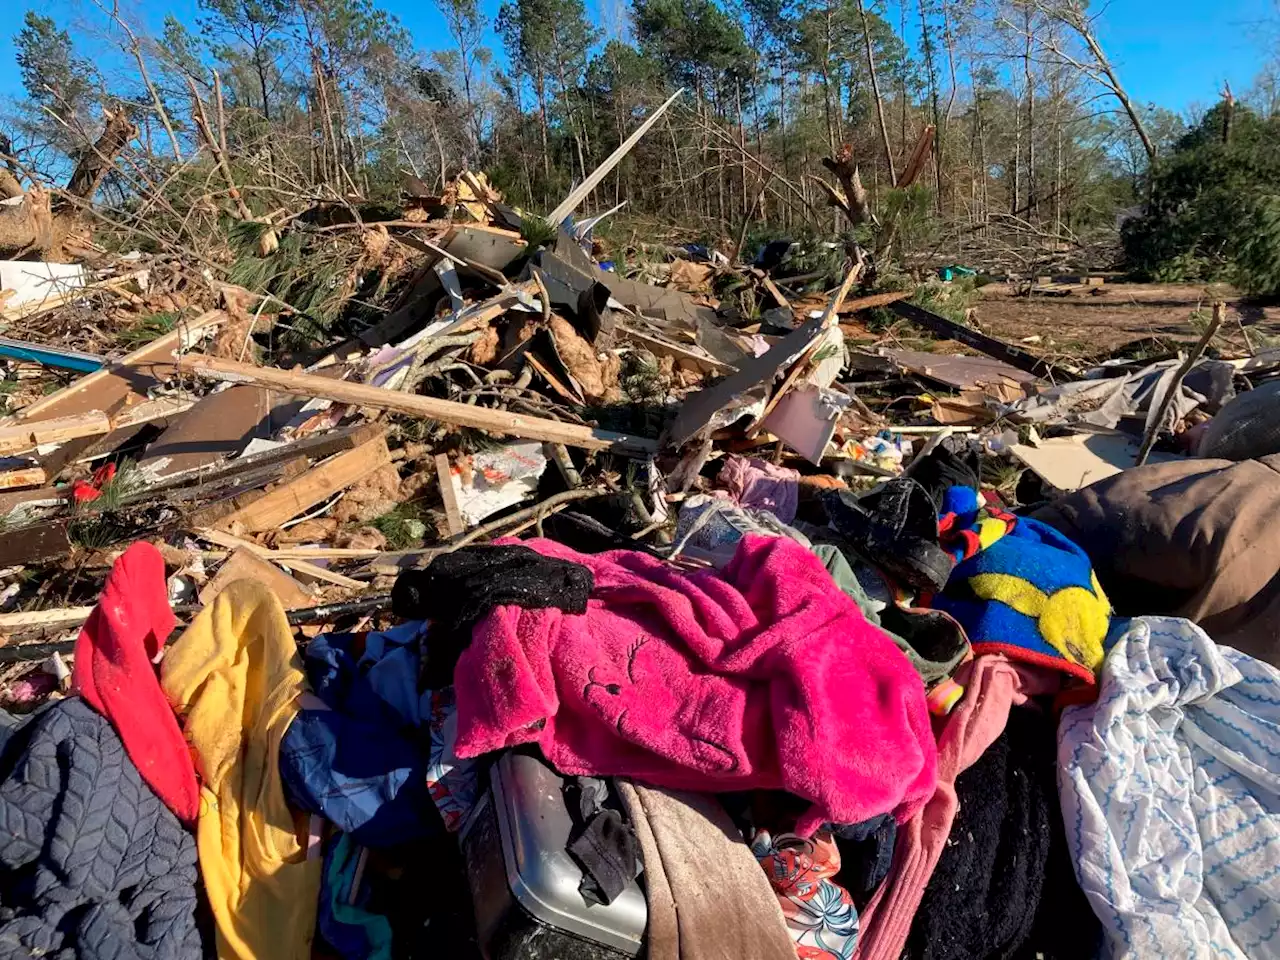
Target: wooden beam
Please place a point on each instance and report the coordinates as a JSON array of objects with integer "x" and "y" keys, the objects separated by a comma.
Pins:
[
  {"x": 24, "y": 477},
  {"x": 311, "y": 488},
  {"x": 449, "y": 496},
  {"x": 1006, "y": 352},
  {"x": 221, "y": 539},
  {"x": 580, "y": 192},
  {"x": 48, "y": 619},
  {"x": 18, "y": 437},
  {"x": 447, "y": 411}
]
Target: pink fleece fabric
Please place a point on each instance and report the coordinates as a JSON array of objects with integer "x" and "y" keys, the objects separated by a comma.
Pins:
[
  {"x": 764, "y": 675},
  {"x": 993, "y": 685},
  {"x": 760, "y": 485}
]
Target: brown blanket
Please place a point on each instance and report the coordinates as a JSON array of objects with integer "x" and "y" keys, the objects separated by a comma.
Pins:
[
  {"x": 1198, "y": 539},
  {"x": 708, "y": 897}
]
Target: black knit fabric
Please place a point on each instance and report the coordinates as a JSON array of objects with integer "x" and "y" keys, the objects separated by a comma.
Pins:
[
  {"x": 92, "y": 865},
  {"x": 459, "y": 589},
  {"x": 983, "y": 897}
]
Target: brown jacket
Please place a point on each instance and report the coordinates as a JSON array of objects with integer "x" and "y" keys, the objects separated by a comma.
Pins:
[{"x": 1198, "y": 539}]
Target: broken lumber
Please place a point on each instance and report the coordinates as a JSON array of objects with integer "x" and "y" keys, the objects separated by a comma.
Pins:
[
  {"x": 110, "y": 388},
  {"x": 1007, "y": 352},
  {"x": 221, "y": 539},
  {"x": 44, "y": 619},
  {"x": 315, "y": 447},
  {"x": 245, "y": 565},
  {"x": 873, "y": 300},
  {"x": 582, "y": 190},
  {"x": 311, "y": 488},
  {"x": 22, "y": 477},
  {"x": 448, "y": 496},
  {"x": 447, "y": 411},
  {"x": 16, "y": 438}
]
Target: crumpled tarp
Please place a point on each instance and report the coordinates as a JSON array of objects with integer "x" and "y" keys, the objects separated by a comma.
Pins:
[{"x": 1102, "y": 402}]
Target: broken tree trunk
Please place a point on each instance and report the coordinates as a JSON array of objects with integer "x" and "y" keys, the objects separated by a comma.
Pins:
[
  {"x": 37, "y": 227},
  {"x": 851, "y": 197}
]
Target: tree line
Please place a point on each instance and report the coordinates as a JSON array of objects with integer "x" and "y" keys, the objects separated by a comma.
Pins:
[{"x": 1038, "y": 150}]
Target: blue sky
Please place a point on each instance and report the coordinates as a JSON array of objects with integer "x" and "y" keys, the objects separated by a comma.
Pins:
[{"x": 1175, "y": 54}]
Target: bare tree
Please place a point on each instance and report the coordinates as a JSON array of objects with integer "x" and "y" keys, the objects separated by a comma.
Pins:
[
  {"x": 1072, "y": 14},
  {"x": 875, "y": 89}
]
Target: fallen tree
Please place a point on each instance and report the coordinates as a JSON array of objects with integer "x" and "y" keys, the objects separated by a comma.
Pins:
[{"x": 40, "y": 226}]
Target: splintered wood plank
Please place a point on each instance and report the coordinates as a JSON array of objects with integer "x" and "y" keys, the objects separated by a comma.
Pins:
[
  {"x": 17, "y": 437},
  {"x": 446, "y": 411},
  {"x": 110, "y": 388},
  {"x": 23, "y": 477},
  {"x": 115, "y": 390},
  {"x": 312, "y": 488},
  {"x": 449, "y": 496},
  {"x": 222, "y": 539}
]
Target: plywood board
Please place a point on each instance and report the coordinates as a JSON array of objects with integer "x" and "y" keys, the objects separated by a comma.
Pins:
[
  {"x": 245, "y": 565},
  {"x": 1076, "y": 461}
]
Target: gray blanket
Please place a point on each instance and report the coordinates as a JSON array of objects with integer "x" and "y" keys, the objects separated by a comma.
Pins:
[{"x": 92, "y": 864}]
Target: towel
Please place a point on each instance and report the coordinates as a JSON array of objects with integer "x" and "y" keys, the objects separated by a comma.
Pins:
[
  {"x": 707, "y": 897},
  {"x": 1021, "y": 588},
  {"x": 235, "y": 677},
  {"x": 115, "y": 674},
  {"x": 761, "y": 676},
  {"x": 1170, "y": 787}
]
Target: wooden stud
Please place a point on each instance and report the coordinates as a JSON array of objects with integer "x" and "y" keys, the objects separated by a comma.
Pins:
[
  {"x": 449, "y": 496},
  {"x": 221, "y": 539},
  {"x": 18, "y": 437},
  {"x": 311, "y": 488},
  {"x": 446, "y": 411}
]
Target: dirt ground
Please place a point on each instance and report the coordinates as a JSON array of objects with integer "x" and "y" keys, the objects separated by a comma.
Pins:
[{"x": 1076, "y": 321}]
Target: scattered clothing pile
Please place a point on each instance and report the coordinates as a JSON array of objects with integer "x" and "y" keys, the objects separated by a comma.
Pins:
[{"x": 903, "y": 724}]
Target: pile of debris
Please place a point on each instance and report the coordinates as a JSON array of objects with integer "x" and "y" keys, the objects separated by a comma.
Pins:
[
  {"x": 517, "y": 374},
  {"x": 498, "y": 375}
]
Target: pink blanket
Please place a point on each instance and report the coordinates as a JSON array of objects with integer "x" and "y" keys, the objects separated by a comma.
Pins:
[
  {"x": 993, "y": 685},
  {"x": 764, "y": 675}
]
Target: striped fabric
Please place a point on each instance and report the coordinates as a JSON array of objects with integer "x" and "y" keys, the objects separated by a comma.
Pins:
[{"x": 1170, "y": 789}]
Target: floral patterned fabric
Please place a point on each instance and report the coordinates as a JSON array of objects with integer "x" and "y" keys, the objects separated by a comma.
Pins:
[
  {"x": 820, "y": 913},
  {"x": 452, "y": 782}
]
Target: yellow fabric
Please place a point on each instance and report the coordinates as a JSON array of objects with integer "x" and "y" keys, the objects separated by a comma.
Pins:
[
  {"x": 1073, "y": 621},
  {"x": 990, "y": 530},
  {"x": 236, "y": 676}
]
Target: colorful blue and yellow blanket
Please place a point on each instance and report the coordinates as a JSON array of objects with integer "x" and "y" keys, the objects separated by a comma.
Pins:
[{"x": 1021, "y": 588}]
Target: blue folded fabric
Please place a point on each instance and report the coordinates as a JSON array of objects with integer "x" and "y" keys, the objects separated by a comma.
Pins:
[
  {"x": 1021, "y": 588},
  {"x": 359, "y": 763}
]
